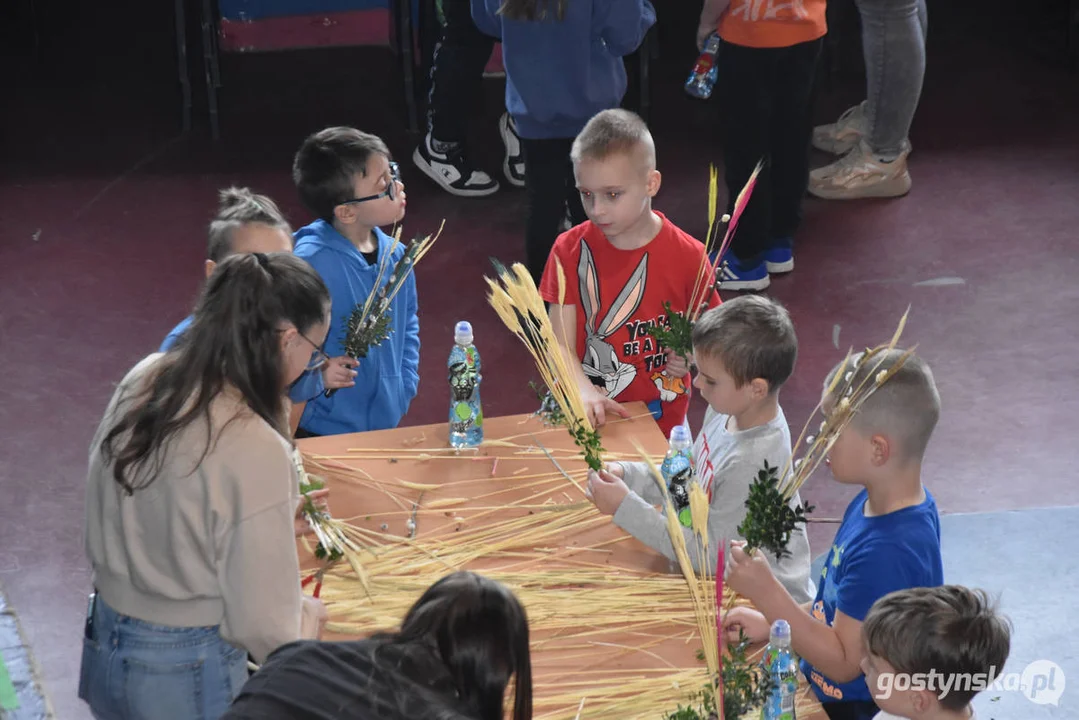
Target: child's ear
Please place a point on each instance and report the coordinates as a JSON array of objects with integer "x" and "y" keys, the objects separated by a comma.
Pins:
[
  {"x": 758, "y": 387},
  {"x": 210, "y": 265},
  {"x": 880, "y": 451},
  {"x": 922, "y": 701},
  {"x": 287, "y": 337},
  {"x": 654, "y": 181},
  {"x": 345, "y": 214}
]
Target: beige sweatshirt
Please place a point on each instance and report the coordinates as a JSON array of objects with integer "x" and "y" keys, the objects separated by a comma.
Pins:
[{"x": 207, "y": 543}]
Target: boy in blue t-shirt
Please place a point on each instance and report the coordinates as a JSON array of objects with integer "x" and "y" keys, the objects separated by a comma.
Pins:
[
  {"x": 250, "y": 223},
  {"x": 346, "y": 178},
  {"x": 889, "y": 539}
]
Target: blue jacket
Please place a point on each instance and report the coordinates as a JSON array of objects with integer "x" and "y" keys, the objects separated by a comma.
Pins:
[
  {"x": 307, "y": 386},
  {"x": 389, "y": 376},
  {"x": 560, "y": 74}
]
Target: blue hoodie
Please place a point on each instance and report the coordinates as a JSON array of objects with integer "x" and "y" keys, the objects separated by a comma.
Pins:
[
  {"x": 307, "y": 386},
  {"x": 560, "y": 74},
  {"x": 389, "y": 376}
]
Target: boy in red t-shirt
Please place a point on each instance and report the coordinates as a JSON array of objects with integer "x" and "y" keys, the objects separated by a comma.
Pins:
[
  {"x": 767, "y": 63},
  {"x": 620, "y": 267}
]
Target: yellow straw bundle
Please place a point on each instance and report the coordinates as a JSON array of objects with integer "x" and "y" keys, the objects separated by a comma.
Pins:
[
  {"x": 702, "y": 590},
  {"x": 518, "y": 303}
]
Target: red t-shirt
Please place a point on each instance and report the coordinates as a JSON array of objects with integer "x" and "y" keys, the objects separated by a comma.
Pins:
[{"x": 618, "y": 295}]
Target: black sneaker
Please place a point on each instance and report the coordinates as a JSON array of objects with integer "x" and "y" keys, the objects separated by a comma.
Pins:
[
  {"x": 514, "y": 165},
  {"x": 452, "y": 171}
]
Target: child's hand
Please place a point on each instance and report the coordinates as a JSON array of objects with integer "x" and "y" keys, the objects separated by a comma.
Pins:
[
  {"x": 748, "y": 621},
  {"x": 338, "y": 373},
  {"x": 313, "y": 617},
  {"x": 599, "y": 406},
  {"x": 749, "y": 576},
  {"x": 318, "y": 499},
  {"x": 709, "y": 23},
  {"x": 606, "y": 491},
  {"x": 704, "y": 30},
  {"x": 677, "y": 366},
  {"x": 615, "y": 469}
]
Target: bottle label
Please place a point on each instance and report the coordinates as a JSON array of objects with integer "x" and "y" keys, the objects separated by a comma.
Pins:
[
  {"x": 780, "y": 705},
  {"x": 464, "y": 379},
  {"x": 678, "y": 471}
]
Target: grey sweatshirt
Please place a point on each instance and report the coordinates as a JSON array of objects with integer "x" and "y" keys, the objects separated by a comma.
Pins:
[{"x": 727, "y": 462}]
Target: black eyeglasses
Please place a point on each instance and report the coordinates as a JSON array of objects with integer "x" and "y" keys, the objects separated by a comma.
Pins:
[
  {"x": 318, "y": 358},
  {"x": 389, "y": 192}
]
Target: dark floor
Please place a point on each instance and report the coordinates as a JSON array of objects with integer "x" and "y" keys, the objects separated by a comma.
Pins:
[{"x": 103, "y": 206}]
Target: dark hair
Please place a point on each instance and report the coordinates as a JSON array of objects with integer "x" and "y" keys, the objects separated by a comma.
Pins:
[
  {"x": 951, "y": 629},
  {"x": 480, "y": 632},
  {"x": 752, "y": 336},
  {"x": 532, "y": 9},
  {"x": 327, "y": 164},
  {"x": 232, "y": 341},
  {"x": 238, "y": 207}
]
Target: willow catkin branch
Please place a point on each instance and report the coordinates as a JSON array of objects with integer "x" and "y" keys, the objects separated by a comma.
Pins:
[{"x": 848, "y": 397}]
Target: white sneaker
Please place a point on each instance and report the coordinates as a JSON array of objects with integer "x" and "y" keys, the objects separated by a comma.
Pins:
[
  {"x": 452, "y": 171},
  {"x": 514, "y": 165},
  {"x": 859, "y": 174}
]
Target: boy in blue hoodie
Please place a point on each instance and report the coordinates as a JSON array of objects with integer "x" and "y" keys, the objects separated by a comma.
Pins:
[
  {"x": 563, "y": 65},
  {"x": 346, "y": 178},
  {"x": 250, "y": 223}
]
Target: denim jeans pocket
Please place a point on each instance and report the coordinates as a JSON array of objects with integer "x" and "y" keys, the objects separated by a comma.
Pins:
[
  {"x": 168, "y": 691},
  {"x": 234, "y": 662},
  {"x": 90, "y": 671}
]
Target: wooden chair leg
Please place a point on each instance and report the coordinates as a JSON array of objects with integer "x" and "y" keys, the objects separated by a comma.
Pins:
[
  {"x": 405, "y": 47},
  {"x": 210, "y": 65},
  {"x": 181, "y": 58},
  {"x": 645, "y": 78},
  {"x": 1073, "y": 34}
]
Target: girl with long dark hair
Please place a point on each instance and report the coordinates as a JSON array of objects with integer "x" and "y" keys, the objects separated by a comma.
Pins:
[
  {"x": 457, "y": 651},
  {"x": 191, "y": 499}
]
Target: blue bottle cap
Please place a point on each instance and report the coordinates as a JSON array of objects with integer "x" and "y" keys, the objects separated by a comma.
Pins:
[
  {"x": 781, "y": 630},
  {"x": 462, "y": 333}
]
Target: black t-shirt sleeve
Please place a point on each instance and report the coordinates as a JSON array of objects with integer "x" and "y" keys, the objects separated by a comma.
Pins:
[{"x": 310, "y": 680}]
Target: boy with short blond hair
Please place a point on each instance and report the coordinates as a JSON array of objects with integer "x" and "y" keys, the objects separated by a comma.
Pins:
[
  {"x": 889, "y": 539},
  {"x": 949, "y": 642},
  {"x": 745, "y": 351},
  {"x": 619, "y": 267}
]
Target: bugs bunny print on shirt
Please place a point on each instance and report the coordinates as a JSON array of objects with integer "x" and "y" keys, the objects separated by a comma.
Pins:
[{"x": 601, "y": 364}]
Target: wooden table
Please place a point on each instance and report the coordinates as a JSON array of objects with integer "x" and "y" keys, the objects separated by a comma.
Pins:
[{"x": 564, "y": 560}]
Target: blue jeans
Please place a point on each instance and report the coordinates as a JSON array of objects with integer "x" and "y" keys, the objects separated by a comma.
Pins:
[
  {"x": 893, "y": 40},
  {"x": 133, "y": 670}
]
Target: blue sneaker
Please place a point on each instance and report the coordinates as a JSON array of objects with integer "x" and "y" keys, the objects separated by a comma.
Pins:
[
  {"x": 779, "y": 260},
  {"x": 732, "y": 275}
]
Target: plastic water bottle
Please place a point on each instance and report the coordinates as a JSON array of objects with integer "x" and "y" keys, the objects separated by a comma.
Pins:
[
  {"x": 779, "y": 662},
  {"x": 678, "y": 471},
  {"x": 702, "y": 79},
  {"x": 466, "y": 413}
]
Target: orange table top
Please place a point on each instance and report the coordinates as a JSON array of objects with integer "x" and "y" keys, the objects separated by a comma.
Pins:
[{"x": 610, "y": 620}]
